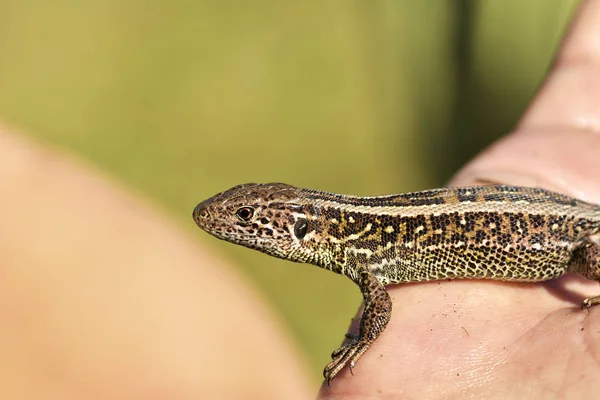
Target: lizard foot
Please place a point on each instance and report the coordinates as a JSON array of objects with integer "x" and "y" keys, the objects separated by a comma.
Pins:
[
  {"x": 590, "y": 301},
  {"x": 347, "y": 354}
]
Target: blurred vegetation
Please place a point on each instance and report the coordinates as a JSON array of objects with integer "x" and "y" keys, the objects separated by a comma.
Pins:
[{"x": 182, "y": 99}]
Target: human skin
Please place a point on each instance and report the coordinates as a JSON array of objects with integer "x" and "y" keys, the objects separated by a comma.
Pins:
[
  {"x": 102, "y": 297},
  {"x": 486, "y": 339}
]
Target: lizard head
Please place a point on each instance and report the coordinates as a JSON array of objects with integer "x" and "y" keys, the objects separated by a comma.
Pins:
[{"x": 269, "y": 217}]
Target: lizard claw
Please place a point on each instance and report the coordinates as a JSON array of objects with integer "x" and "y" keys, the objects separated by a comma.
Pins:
[
  {"x": 347, "y": 354},
  {"x": 589, "y": 302}
]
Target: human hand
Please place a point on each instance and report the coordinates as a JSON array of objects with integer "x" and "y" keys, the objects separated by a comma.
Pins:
[
  {"x": 487, "y": 339},
  {"x": 102, "y": 297}
]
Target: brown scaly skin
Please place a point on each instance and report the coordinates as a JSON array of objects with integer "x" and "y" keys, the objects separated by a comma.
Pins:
[{"x": 485, "y": 232}]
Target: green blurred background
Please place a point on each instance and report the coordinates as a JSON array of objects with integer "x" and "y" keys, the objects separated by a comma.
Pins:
[{"x": 183, "y": 99}]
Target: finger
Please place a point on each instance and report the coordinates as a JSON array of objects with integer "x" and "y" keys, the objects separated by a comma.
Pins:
[
  {"x": 101, "y": 287},
  {"x": 571, "y": 95},
  {"x": 556, "y": 145}
]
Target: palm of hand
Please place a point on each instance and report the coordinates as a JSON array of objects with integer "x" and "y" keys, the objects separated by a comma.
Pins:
[{"x": 484, "y": 339}]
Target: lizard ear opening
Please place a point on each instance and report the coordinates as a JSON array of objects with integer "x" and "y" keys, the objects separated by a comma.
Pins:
[{"x": 300, "y": 228}]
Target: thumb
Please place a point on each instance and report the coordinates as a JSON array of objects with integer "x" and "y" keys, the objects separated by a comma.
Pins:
[{"x": 556, "y": 144}]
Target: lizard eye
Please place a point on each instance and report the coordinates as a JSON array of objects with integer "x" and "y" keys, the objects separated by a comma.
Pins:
[
  {"x": 300, "y": 228},
  {"x": 245, "y": 213}
]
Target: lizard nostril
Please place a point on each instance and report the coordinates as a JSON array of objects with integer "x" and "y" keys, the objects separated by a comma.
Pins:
[{"x": 200, "y": 212}]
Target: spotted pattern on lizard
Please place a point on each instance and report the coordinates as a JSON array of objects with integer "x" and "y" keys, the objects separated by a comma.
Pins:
[{"x": 486, "y": 232}]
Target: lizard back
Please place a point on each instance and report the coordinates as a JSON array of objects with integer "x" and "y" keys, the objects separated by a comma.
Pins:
[{"x": 493, "y": 232}]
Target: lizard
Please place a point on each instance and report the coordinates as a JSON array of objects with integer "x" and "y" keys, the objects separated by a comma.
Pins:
[{"x": 499, "y": 232}]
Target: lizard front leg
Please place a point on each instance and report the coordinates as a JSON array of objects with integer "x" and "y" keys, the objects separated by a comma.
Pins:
[{"x": 376, "y": 315}]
